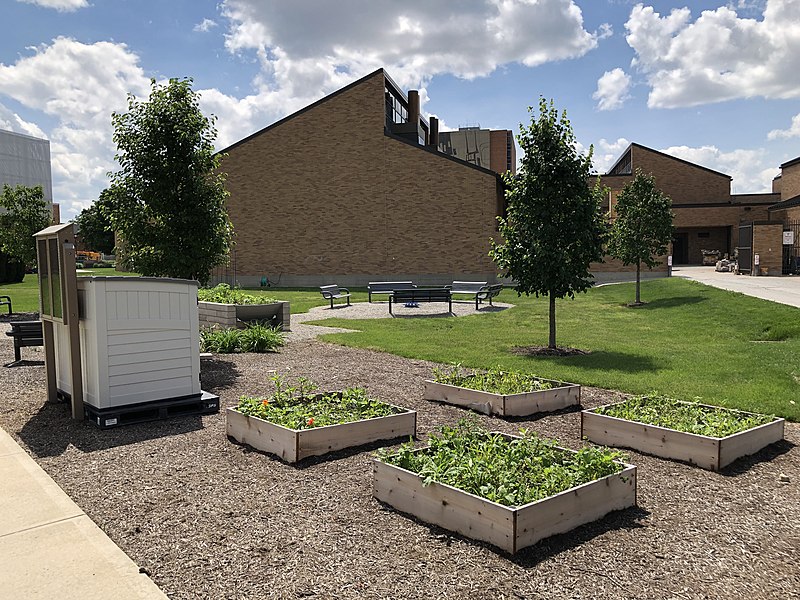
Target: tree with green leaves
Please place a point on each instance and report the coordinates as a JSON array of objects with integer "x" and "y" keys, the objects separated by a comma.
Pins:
[
  {"x": 26, "y": 212},
  {"x": 94, "y": 224},
  {"x": 169, "y": 195},
  {"x": 553, "y": 228},
  {"x": 642, "y": 227}
]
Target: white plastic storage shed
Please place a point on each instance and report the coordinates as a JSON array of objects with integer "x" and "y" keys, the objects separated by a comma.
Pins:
[{"x": 139, "y": 340}]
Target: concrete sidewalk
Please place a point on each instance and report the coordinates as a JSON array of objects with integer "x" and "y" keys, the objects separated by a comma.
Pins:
[
  {"x": 785, "y": 290},
  {"x": 49, "y": 548}
]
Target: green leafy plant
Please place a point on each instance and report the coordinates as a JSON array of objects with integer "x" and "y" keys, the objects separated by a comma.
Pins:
[
  {"x": 256, "y": 337},
  {"x": 296, "y": 408},
  {"x": 24, "y": 212},
  {"x": 688, "y": 417},
  {"x": 553, "y": 229},
  {"x": 225, "y": 294},
  {"x": 167, "y": 200},
  {"x": 510, "y": 471},
  {"x": 642, "y": 227},
  {"x": 494, "y": 380}
]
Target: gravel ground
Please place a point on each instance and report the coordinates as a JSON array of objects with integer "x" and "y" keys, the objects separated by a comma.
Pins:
[{"x": 208, "y": 518}]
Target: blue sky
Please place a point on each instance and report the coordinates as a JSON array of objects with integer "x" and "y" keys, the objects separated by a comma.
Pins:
[{"x": 713, "y": 82}]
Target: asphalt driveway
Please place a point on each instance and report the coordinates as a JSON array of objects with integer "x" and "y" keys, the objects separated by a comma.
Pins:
[{"x": 785, "y": 290}]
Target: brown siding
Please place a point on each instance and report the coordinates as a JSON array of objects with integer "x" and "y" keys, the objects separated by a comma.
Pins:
[{"x": 326, "y": 196}]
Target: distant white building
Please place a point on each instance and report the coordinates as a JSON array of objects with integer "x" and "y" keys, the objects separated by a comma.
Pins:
[{"x": 25, "y": 160}]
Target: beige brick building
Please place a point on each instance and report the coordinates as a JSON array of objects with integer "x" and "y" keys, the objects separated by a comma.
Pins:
[
  {"x": 707, "y": 215},
  {"x": 353, "y": 188}
]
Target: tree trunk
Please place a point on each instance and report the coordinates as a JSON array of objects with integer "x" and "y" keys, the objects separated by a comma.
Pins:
[
  {"x": 638, "y": 280},
  {"x": 552, "y": 343}
]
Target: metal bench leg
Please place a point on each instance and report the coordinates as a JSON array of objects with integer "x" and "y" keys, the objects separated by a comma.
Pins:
[
  {"x": 17, "y": 348},
  {"x": 348, "y": 301},
  {"x": 331, "y": 301},
  {"x": 476, "y": 302},
  {"x": 390, "y": 305}
]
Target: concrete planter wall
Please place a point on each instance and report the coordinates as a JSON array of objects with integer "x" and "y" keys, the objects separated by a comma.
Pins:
[{"x": 235, "y": 315}]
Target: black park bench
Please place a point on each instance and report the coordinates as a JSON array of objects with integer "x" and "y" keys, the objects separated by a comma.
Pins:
[
  {"x": 421, "y": 295},
  {"x": 6, "y": 301},
  {"x": 387, "y": 287},
  {"x": 331, "y": 292},
  {"x": 25, "y": 333}
]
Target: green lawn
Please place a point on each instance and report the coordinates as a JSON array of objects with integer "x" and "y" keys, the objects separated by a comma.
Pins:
[
  {"x": 25, "y": 295},
  {"x": 689, "y": 341}
]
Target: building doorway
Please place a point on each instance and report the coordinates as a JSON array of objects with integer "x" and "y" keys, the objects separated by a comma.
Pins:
[{"x": 680, "y": 248}]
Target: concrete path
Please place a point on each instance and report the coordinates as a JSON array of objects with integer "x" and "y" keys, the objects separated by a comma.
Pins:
[
  {"x": 785, "y": 290},
  {"x": 49, "y": 548}
]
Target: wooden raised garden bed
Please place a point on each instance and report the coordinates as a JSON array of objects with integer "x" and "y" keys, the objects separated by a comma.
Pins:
[
  {"x": 713, "y": 453},
  {"x": 293, "y": 445},
  {"x": 560, "y": 396},
  {"x": 506, "y": 527}
]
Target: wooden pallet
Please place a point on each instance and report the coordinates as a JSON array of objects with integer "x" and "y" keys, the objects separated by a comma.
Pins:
[{"x": 203, "y": 404}]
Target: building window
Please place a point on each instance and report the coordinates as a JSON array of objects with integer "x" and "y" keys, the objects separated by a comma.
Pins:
[{"x": 396, "y": 110}]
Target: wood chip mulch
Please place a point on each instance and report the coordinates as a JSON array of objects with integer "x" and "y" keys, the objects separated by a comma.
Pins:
[{"x": 208, "y": 518}]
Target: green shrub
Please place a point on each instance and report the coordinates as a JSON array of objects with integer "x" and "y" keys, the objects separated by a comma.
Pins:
[
  {"x": 256, "y": 337},
  {"x": 224, "y": 294}
]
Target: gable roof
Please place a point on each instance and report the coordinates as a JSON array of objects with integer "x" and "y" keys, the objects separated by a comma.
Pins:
[
  {"x": 304, "y": 109},
  {"x": 790, "y": 163},
  {"x": 790, "y": 203},
  {"x": 675, "y": 158}
]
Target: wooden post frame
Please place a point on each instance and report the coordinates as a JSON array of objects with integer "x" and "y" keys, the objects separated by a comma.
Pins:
[
  {"x": 508, "y": 528},
  {"x": 293, "y": 445},
  {"x": 703, "y": 451},
  {"x": 58, "y": 307},
  {"x": 561, "y": 395}
]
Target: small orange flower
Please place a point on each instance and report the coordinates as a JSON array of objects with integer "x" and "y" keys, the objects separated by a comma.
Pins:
[
  {"x": 311, "y": 421},
  {"x": 265, "y": 402}
]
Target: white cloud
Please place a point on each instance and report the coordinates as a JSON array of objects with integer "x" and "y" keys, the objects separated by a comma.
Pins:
[
  {"x": 606, "y": 153},
  {"x": 11, "y": 121},
  {"x": 79, "y": 85},
  {"x": 319, "y": 45},
  {"x": 720, "y": 56},
  {"x": 59, "y": 5},
  {"x": 793, "y": 131},
  {"x": 612, "y": 89},
  {"x": 750, "y": 173},
  {"x": 205, "y": 26}
]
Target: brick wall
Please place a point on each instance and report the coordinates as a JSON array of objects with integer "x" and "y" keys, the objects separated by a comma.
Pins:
[
  {"x": 498, "y": 155},
  {"x": 325, "y": 196},
  {"x": 768, "y": 244},
  {"x": 790, "y": 181},
  {"x": 681, "y": 181}
]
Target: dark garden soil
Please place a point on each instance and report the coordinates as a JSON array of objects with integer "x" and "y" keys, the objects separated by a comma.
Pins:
[{"x": 208, "y": 518}]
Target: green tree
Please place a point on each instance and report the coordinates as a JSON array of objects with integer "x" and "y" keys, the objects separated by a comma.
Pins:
[
  {"x": 642, "y": 228},
  {"x": 169, "y": 196},
  {"x": 94, "y": 224},
  {"x": 26, "y": 212},
  {"x": 553, "y": 228}
]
